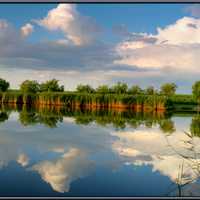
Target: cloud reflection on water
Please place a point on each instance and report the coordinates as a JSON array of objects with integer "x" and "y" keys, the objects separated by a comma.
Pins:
[{"x": 74, "y": 147}]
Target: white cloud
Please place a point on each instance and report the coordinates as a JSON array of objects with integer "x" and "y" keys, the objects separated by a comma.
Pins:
[
  {"x": 61, "y": 172},
  {"x": 177, "y": 46},
  {"x": 27, "y": 29},
  {"x": 185, "y": 30},
  {"x": 77, "y": 28},
  {"x": 178, "y": 57}
]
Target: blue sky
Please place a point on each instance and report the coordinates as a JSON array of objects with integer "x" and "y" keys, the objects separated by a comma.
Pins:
[
  {"x": 100, "y": 43},
  {"x": 137, "y": 17}
]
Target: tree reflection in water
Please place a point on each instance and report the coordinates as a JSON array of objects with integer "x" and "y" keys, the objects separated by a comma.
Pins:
[
  {"x": 4, "y": 116},
  {"x": 50, "y": 116}
]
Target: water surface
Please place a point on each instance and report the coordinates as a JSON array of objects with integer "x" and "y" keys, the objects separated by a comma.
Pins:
[{"x": 59, "y": 152}]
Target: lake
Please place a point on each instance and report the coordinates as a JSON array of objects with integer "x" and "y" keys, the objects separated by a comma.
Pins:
[{"x": 63, "y": 152}]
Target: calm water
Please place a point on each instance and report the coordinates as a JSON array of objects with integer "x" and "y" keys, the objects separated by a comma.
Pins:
[{"x": 57, "y": 152}]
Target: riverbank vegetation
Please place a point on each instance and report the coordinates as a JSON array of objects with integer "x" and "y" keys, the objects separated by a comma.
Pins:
[{"x": 118, "y": 95}]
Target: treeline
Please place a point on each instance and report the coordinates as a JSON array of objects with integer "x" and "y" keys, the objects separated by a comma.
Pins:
[
  {"x": 32, "y": 86},
  {"x": 118, "y": 95}
]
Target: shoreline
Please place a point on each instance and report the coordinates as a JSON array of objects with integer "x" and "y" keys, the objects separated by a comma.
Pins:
[{"x": 158, "y": 103}]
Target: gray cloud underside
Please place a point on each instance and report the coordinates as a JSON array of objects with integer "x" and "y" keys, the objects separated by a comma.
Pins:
[{"x": 47, "y": 55}]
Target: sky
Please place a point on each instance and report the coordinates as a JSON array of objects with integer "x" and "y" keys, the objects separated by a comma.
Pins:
[{"x": 144, "y": 44}]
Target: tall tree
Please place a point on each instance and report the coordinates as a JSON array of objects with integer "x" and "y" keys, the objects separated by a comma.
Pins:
[
  {"x": 85, "y": 89},
  {"x": 168, "y": 89},
  {"x": 119, "y": 88},
  {"x": 29, "y": 86},
  {"x": 196, "y": 92},
  {"x": 135, "y": 89},
  {"x": 51, "y": 86},
  {"x": 103, "y": 89},
  {"x": 195, "y": 126},
  {"x": 4, "y": 85},
  {"x": 150, "y": 90}
]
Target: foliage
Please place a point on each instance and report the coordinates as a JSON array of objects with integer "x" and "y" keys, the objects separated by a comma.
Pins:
[
  {"x": 183, "y": 99},
  {"x": 150, "y": 90},
  {"x": 85, "y": 89},
  {"x": 30, "y": 86},
  {"x": 119, "y": 88},
  {"x": 3, "y": 116},
  {"x": 196, "y": 90},
  {"x": 51, "y": 93},
  {"x": 168, "y": 89},
  {"x": 135, "y": 89},
  {"x": 51, "y": 86},
  {"x": 4, "y": 85},
  {"x": 103, "y": 89},
  {"x": 195, "y": 126}
]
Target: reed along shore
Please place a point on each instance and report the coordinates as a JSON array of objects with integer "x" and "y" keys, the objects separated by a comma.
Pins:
[{"x": 93, "y": 101}]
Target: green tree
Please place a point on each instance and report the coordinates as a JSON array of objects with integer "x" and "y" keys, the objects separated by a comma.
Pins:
[
  {"x": 135, "y": 89},
  {"x": 168, "y": 89},
  {"x": 51, "y": 86},
  {"x": 4, "y": 85},
  {"x": 85, "y": 89},
  {"x": 119, "y": 88},
  {"x": 150, "y": 90},
  {"x": 103, "y": 89},
  {"x": 195, "y": 126},
  {"x": 196, "y": 90},
  {"x": 30, "y": 86}
]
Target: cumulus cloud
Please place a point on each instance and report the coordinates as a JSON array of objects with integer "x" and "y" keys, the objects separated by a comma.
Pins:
[
  {"x": 184, "y": 57},
  {"x": 27, "y": 29},
  {"x": 176, "y": 46},
  {"x": 77, "y": 28},
  {"x": 185, "y": 30},
  {"x": 61, "y": 172}
]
